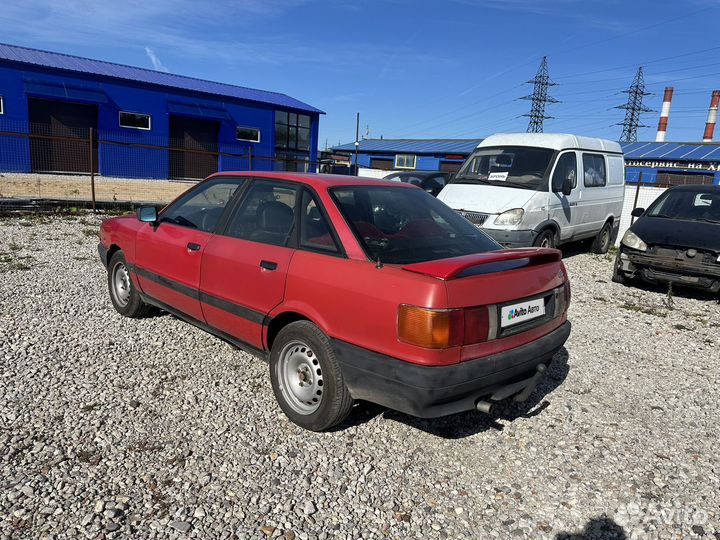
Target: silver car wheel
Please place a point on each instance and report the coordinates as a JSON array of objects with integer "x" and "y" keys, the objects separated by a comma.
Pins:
[
  {"x": 300, "y": 377},
  {"x": 121, "y": 286}
]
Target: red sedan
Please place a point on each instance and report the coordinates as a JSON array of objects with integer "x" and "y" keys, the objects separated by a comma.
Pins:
[{"x": 351, "y": 288}]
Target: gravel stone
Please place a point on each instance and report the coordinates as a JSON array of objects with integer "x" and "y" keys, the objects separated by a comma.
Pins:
[{"x": 619, "y": 438}]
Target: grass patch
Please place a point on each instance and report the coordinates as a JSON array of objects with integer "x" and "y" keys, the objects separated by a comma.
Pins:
[
  {"x": 681, "y": 327},
  {"x": 646, "y": 310},
  {"x": 600, "y": 299},
  {"x": 90, "y": 232}
]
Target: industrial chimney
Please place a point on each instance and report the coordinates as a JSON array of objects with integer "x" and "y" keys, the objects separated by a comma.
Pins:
[
  {"x": 664, "y": 114},
  {"x": 712, "y": 116}
]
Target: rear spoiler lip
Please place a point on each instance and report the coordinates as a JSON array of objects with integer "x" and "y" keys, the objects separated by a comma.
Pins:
[{"x": 450, "y": 268}]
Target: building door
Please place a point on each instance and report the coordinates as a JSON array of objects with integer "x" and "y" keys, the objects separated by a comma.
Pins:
[
  {"x": 60, "y": 136},
  {"x": 196, "y": 144}
]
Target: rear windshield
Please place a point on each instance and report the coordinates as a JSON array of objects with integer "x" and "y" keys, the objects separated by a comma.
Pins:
[
  {"x": 688, "y": 205},
  {"x": 508, "y": 166},
  {"x": 403, "y": 226}
]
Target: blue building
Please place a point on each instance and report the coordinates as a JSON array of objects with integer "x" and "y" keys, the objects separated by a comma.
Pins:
[
  {"x": 410, "y": 154},
  {"x": 61, "y": 113},
  {"x": 661, "y": 163}
]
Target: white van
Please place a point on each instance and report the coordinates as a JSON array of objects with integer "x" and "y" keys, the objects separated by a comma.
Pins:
[{"x": 542, "y": 189}]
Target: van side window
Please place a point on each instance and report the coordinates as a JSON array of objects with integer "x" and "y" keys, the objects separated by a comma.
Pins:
[
  {"x": 594, "y": 170},
  {"x": 566, "y": 168}
]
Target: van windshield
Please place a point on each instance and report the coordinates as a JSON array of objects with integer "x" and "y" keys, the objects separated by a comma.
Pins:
[{"x": 510, "y": 166}]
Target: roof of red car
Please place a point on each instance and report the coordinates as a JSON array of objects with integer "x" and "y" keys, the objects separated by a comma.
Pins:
[{"x": 317, "y": 180}]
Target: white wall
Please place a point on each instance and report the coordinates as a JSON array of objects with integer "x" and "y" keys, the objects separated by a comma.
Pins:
[
  {"x": 645, "y": 198},
  {"x": 373, "y": 173}
]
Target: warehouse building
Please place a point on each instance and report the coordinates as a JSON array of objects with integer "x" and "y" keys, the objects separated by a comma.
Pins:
[
  {"x": 660, "y": 163},
  {"x": 410, "y": 154},
  {"x": 61, "y": 113}
]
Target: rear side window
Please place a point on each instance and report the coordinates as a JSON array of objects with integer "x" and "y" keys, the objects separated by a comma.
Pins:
[
  {"x": 594, "y": 170},
  {"x": 266, "y": 214},
  {"x": 315, "y": 233}
]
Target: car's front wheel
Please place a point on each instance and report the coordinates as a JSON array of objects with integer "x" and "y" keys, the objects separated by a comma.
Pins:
[
  {"x": 306, "y": 378},
  {"x": 123, "y": 294},
  {"x": 618, "y": 275}
]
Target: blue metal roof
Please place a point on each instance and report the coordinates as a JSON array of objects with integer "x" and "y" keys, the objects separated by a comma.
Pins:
[
  {"x": 78, "y": 64},
  {"x": 412, "y": 146},
  {"x": 672, "y": 151}
]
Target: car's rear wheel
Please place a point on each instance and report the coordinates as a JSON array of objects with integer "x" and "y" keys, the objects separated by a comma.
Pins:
[
  {"x": 123, "y": 294},
  {"x": 306, "y": 378},
  {"x": 545, "y": 239},
  {"x": 601, "y": 243}
]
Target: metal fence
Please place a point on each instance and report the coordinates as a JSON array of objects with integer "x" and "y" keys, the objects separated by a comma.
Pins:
[{"x": 41, "y": 166}]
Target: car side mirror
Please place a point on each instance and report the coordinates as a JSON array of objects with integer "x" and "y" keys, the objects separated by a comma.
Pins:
[
  {"x": 567, "y": 186},
  {"x": 637, "y": 212},
  {"x": 147, "y": 214}
]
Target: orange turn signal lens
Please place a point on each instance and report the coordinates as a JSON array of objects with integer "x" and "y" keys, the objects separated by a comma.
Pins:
[{"x": 430, "y": 328}]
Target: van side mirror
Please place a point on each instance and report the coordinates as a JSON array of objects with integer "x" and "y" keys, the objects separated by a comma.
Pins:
[
  {"x": 147, "y": 214},
  {"x": 637, "y": 212},
  {"x": 567, "y": 186}
]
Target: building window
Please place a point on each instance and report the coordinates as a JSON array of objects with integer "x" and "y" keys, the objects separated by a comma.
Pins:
[
  {"x": 247, "y": 134},
  {"x": 134, "y": 120},
  {"x": 405, "y": 161},
  {"x": 2, "y": 105},
  {"x": 292, "y": 131}
]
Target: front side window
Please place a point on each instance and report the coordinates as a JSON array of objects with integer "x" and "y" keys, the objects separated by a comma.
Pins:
[
  {"x": 314, "y": 229},
  {"x": 135, "y": 120},
  {"x": 405, "y": 161},
  {"x": 201, "y": 208},
  {"x": 566, "y": 168},
  {"x": 247, "y": 134},
  {"x": 402, "y": 225},
  {"x": 594, "y": 170},
  {"x": 508, "y": 166},
  {"x": 266, "y": 214}
]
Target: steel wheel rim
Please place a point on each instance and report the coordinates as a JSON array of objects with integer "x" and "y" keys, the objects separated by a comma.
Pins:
[
  {"x": 121, "y": 285},
  {"x": 605, "y": 240},
  {"x": 545, "y": 242},
  {"x": 300, "y": 377}
]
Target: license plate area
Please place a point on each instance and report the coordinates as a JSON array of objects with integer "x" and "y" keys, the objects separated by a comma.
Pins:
[
  {"x": 525, "y": 314},
  {"x": 520, "y": 312}
]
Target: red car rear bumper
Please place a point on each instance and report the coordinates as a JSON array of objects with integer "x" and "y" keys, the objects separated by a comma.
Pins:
[{"x": 429, "y": 392}]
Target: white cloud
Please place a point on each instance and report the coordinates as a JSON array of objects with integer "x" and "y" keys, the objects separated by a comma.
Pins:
[{"x": 157, "y": 64}]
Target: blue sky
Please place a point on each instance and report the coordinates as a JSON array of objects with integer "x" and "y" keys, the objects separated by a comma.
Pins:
[{"x": 412, "y": 68}]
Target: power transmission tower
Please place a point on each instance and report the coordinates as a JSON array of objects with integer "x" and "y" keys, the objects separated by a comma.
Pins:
[
  {"x": 634, "y": 108},
  {"x": 539, "y": 98}
]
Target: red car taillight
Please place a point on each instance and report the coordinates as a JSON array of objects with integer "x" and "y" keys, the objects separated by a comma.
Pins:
[
  {"x": 562, "y": 298},
  {"x": 442, "y": 328}
]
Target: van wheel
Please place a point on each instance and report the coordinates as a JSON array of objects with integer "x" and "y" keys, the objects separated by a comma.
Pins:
[
  {"x": 545, "y": 239},
  {"x": 306, "y": 378},
  {"x": 601, "y": 243}
]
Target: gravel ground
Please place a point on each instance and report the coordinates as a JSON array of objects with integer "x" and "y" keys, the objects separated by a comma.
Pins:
[{"x": 117, "y": 428}]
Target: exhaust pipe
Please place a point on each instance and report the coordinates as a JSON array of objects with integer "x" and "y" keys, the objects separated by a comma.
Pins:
[{"x": 484, "y": 406}]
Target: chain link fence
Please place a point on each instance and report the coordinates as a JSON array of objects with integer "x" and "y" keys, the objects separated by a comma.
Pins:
[{"x": 43, "y": 166}]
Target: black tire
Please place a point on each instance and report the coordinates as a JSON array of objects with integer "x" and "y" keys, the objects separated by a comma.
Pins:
[
  {"x": 618, "y": 275},
  {"x": 299, "y": 345},
  {"x": 546, "y": 239},
  {"x": 601, "y": 243},
  {"x": 125, "y": 298}
]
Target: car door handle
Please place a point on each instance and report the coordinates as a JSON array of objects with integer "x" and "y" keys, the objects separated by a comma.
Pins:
[
  {"x": 192, "y": 246},
  {"x": 268, "y": 265}
]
